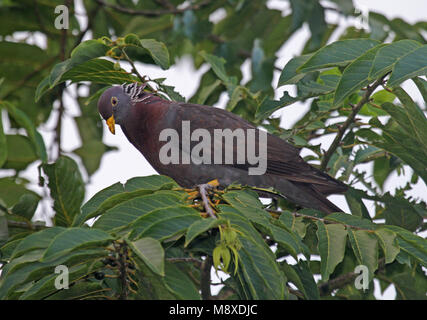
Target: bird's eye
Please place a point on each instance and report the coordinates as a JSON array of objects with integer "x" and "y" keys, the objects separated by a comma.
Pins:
[{"x": 114, "y": 101}]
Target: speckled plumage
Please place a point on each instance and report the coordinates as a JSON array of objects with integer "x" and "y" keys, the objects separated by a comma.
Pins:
[{"x": 146, "y": 115}]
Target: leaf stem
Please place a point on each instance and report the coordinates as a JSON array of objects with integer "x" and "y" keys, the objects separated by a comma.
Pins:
[{"x": 342, "y": 129}]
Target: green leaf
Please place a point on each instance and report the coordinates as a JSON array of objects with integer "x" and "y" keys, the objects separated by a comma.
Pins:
[
  {"x": 158, "y": 52},
  {"x": 37, "y": 240},
  {"x": 4, "y": 230},
  {"x": 22, "y": 261},
  {"x": 351, "y": 220},
  {"x": 415, "y": 121},
  {"x": 153, "y": 183},
  {"x": 387, "y": 240},
  {"x": 339, "y": 53},
  {"x": 22, "y": 119},
  {"x": 66, "y": 188},
  {"x": 151, "y": 252},
  {"x": 388, "y": 55},
  {"x": 117, "y": 193},
  {"x": 41, "y": 89},
  {"x": 332, "y": 241},
  {"x": 357, "y": 208},
  {"x": 27, "y": 205},
  {"x": 170, "y": 91},
  {"x": 201, "y": 226},
  {"x": 258, "y": 270},
  {"x": 180, "y": 283},
  {"x": 404, "y": 136},
  {"x": 20, "y": 58},
  {"x": 74, "y": 238},
  {"x": 20, "y": 152},
  {"x": 422, "y": 86},
  {"x": 411, "y": 65},
  {"x": 311, "y": 88},
  {"x": 79, "y": 291},
  {"x": 46, "y": 286},
  {"x": 412, "y": 244},
  {"x": 164, "y": 223},
  {"x": 355, "y": 76},
  {"x": 382, "y": 170},
  {"x": 378, "y": 98},
  {"x": 218, "y": 66},
  {"x": 410, "y": 285},
  {"x": 85, "y": 51},
  {"x": 91, "y": 205},
  {"x": 34, "y": 270},
  {"x": 97, "y": 71},
  {"x": 128, "y": 211},
  {"x": 365, "y": 248},
  {"x": 364, "y": 154},
  {"x": 261, "y": 69},
  {"x": 3, "y": 143},
  {"x": 11, "y": 190},
  {"x": 268, "y": 106},
  {"x": 302, "y": 278},
  {"x": 401, "y": 213}
]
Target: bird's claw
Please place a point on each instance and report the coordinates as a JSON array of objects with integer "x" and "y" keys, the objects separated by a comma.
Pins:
[{"x": 203, "y": 190}]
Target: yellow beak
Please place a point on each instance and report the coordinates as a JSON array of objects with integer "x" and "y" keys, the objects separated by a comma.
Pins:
[{"x": 111, "y": 123}]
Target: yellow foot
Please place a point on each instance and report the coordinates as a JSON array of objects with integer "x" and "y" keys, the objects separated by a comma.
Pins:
[
  {"x": 204, "y": 214},
  {"x": 193, "y": 194},
  {"x": 214, "y": 183}
]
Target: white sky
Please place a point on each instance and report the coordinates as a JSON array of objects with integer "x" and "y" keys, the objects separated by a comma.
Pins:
[{"x": 127, "y": 162}]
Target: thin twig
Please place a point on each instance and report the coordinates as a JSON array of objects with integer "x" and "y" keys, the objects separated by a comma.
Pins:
[
  {"x": 134, "y": 69},
  {"x": 153, "y": 13},
  {"x": 342, "y": 129}
]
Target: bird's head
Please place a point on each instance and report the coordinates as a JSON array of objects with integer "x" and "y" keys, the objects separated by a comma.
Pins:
[{"x": 114, "y": 106}]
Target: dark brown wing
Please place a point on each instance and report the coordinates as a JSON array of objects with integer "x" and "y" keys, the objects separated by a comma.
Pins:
[{"x": 283, "y": 159}]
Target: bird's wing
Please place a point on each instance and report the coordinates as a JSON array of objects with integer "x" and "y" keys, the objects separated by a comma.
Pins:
[{"x": 283, "y": 159}]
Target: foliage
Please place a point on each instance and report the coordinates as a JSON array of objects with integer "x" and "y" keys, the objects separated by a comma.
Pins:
[{"x": 151, "y": 239}]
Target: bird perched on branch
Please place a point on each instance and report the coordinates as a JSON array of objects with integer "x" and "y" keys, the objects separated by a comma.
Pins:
[{"x": 180, "y": 140}]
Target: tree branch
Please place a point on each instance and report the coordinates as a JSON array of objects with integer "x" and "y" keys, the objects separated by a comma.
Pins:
[
  {"x": 205, "y": 278},
  {"x": 61, "y": 109},
  {"x": 25, "y": 225},
  {"x": 297, "y": 214},
  {"x": 153, "y": 13},
  {"x": 186, "y": 259},
  {"x": 343, "y": 280},
  {"x": 348, "y": 122}
]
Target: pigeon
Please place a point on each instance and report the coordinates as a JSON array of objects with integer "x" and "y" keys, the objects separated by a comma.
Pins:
[{"x": 194, "y": 144}]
